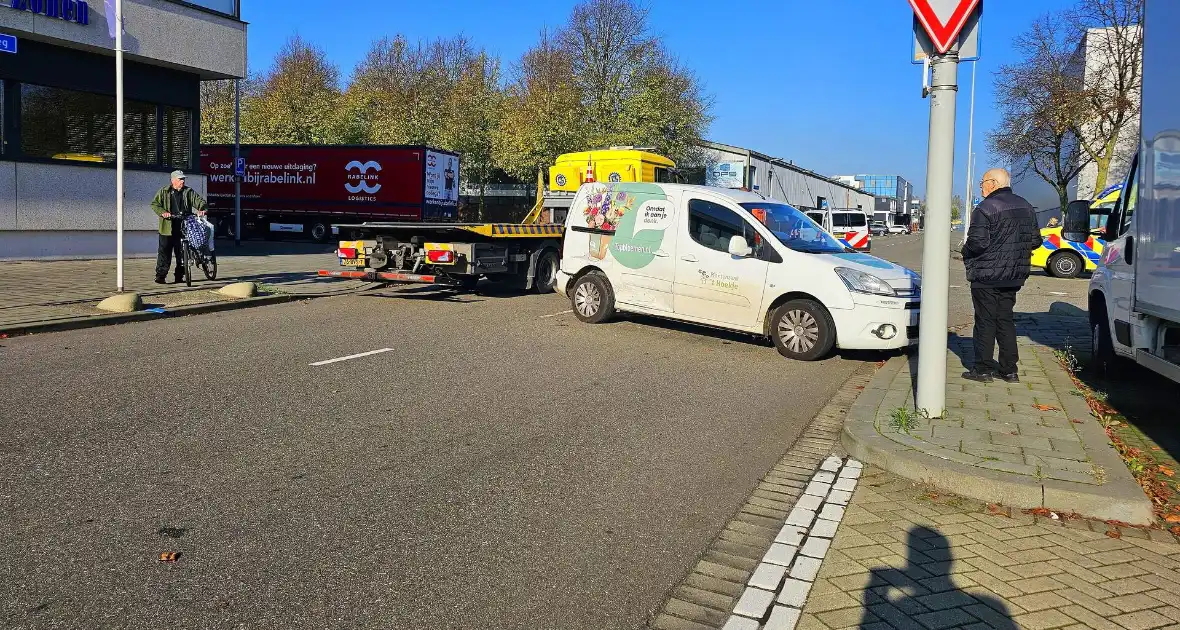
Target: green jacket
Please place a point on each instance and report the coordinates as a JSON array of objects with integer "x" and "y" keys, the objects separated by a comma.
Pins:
[{"x": 163, "y": 203}]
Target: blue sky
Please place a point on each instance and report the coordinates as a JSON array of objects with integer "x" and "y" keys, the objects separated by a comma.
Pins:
[{"x": 825, "y": 83}]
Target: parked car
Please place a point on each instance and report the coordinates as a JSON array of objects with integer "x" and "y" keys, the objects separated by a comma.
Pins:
[
  {"x": 899, "y": 229},
  {"x": 878, "y": 228}
]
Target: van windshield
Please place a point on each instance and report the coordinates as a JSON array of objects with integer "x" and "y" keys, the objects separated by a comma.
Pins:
[
  {"x": 848, "y": 219},
  {"x": 794, "y": 229}
]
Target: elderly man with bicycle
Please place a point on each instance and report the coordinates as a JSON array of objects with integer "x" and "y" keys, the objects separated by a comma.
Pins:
[{"x": 173, "y": 204}]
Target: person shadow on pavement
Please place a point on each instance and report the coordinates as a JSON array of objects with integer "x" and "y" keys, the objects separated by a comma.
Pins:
[{"x": 923, "y": 593}]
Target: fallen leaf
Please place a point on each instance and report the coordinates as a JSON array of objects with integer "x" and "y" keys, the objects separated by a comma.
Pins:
[
  {"x": 1155, "y": 448},
  {"x": 1175, "y": 530},
  {"x": 1172, "y": 518},
  {"x": 1110, "y": 533},
  {"x": 1046, "y": 407},
  {"x": 169, "y": 556},
  {"x": 862, "y": 387},
  {"x": 1167, "y": 471},
  {"x": 1075, "y": 421},
  {"x": 1039, "y": 512}
]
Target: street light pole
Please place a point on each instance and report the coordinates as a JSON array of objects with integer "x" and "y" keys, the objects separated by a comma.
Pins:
[
  {"x": 936, "y": 254},
  {"x": 237, "y": 155},
  {"x": 119, "y": 144},
  {"x": 968, "y": 194}
]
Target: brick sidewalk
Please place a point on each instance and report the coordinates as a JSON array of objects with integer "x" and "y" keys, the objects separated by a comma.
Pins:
[
  {"x": 46, "y": 291},
  {"x": 906, "y": 556},
  {"x": 1030, "y": 444}
]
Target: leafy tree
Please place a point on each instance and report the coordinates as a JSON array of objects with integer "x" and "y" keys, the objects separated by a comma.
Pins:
[
  {"x": 956, "y": 208},
  {"x": 217, "y": 111},
  {"x": 296, "y": 101}
]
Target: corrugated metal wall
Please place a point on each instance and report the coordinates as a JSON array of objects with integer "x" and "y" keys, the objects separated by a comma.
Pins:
[{"x": 780, "y": 181}]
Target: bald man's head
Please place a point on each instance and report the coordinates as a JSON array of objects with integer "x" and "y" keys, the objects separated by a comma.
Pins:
[{"x": 994, "y": 180}]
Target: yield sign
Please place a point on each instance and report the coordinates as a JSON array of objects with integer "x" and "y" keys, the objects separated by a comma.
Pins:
[{"x": 943, "y": 19}]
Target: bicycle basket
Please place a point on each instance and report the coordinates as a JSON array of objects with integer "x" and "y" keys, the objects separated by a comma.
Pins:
[{"x": 195, "y": 232}]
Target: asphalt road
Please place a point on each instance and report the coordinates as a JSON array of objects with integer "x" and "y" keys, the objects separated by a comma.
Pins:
[{"x": 503, "y": 465}]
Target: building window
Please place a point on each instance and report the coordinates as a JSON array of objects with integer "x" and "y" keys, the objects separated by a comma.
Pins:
[
  {"x": 80, "y": 126},
  {"x": 178, "y": 139},
  {"x": 228, "y": 7}
]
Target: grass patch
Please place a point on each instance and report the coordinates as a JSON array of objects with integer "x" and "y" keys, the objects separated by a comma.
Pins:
[{"x": 905, "y": 420}]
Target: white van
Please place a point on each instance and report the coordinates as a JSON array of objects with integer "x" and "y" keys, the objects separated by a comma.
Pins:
[{"x": 734, "y": 260}]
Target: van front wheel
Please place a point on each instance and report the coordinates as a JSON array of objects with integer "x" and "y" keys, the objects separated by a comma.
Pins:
[
  {"x": 592, "y": 298},
  {"x": 803, "y": 330}
]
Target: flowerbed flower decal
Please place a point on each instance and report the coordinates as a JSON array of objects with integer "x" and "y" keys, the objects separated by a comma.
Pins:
[{"x": 604, "y": 208}]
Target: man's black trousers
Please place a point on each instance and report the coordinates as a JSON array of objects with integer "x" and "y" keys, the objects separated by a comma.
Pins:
[
  {"x": 169, "y": 245},
  {"x": 993, "y": 323}
]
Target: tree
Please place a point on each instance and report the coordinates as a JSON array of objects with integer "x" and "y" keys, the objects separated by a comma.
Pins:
[
  {"x": 1040, "y": 100},
  {"x": 633, "y": 91},
  {"x": 956, "y": 208},
  {"x": 474, "y": 108},
  {"x": 542, "y": 114},
  {"x": 1111, "y": 61},
  {"x": 296, "y": 101},
  {"x": 217, "y": 111}
]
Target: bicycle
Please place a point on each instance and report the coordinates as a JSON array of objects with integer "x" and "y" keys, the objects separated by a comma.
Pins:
[{"x": 196, "y": 247}]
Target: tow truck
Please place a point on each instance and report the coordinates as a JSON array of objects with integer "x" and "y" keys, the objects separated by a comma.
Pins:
[{"x": 521, "y": 255}]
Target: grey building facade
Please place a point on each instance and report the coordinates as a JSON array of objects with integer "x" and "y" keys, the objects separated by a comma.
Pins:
[{"x": 57, "y": 116}]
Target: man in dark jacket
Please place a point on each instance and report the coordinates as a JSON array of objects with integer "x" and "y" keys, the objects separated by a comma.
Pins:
[
  {"x": 999, "y": 245},
  {"x": 171, "y": 204}
]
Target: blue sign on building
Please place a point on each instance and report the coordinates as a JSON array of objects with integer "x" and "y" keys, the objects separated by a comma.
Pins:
[
  {"x": 69, "y": 10},
  {"x": 7, "y": 44}
]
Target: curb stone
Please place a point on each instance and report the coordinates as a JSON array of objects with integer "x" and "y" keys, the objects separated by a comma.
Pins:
[
  {"x": 93, "y": 321},
  {"x": 1119, "y": 499},
  {"x": 705, "y": 598}
]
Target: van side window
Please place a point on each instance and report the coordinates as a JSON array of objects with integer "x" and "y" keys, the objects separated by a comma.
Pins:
[
  {"x": 1120, "y": 217},
  {"x": 713, "y": 225}
]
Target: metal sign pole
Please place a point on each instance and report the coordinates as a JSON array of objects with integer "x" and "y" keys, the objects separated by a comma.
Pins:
[
  {"x": 936, "y": 251},
  {"x": 969, "y": 194},
  {"x": 119, "y": 144},
  {"x": 237, "y": 156}
]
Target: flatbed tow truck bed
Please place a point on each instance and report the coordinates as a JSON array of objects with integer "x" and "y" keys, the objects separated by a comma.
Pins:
[{"x": 455, "y": 254}]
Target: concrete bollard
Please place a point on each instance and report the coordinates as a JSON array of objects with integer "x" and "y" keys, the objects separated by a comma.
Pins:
[
  {"x": 239, "y": 290},
  {"x": 122, "y": 303}
]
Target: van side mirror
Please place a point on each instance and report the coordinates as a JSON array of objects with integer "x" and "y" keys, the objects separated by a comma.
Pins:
[
  {"x": 1075, "y": 222},
  {"x": 739, "y": 247}
]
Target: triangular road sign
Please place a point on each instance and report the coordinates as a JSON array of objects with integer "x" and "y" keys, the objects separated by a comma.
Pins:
[{"x": 943, "y": 19}]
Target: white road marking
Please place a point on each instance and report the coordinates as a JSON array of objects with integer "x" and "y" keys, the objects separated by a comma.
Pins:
[
  {"x": 351, "y": 356},
  {"x": 1057, "y": 293},
  {"x": 556, "y": 314}
]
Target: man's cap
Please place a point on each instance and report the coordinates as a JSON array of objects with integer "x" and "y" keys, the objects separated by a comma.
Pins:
[{"x": 177, "y": 174}]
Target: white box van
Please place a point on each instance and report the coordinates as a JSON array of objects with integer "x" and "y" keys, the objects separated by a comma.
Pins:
[{"x": 735, "y": 260}]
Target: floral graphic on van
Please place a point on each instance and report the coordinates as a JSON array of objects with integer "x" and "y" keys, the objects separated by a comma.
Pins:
[{"x": 604, "y": 209}]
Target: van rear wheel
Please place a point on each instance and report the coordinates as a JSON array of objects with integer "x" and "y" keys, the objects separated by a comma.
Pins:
[
  {"x": 592, "y": 298},
  {"x": 802, "y": 330}
]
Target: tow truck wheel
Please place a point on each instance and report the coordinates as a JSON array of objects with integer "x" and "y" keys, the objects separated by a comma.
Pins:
[
  {"x": 545, "y": 278},
  {"x": 319, "y": 232},
  {"x": 802, "y": 330},
  {"x": 592, "y": 298},
  {"x": 1064, "y": 265}
]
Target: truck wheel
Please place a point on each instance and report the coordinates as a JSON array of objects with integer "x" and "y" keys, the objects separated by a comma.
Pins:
[
  {"x": 545, "y": 278},
  {"x": 592, "y": 298},
  {"x": 1065, "y": 265},
  {"x": 319, "y": 232},
  {"x": 802, "y": 330},
  {"x": 1102, "y": 346}
]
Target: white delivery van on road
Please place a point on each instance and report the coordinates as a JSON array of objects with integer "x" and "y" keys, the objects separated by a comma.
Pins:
[
  {"x": 1135, "y": 293},
  {"x": 734, "y": 260}
]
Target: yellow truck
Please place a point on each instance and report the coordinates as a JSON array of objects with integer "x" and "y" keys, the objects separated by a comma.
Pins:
[{"x": 616, "y": 164}]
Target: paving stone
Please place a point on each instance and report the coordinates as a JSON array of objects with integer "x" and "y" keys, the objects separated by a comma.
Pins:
[
  {"x": 1040, "y": 601},
  {"x": 839, "y": 497},
  {"x": 794, "y": 592},
  {"x": 668, "y": 622},
  {"x": 1022, "y": 441},
  {"x": 845, "y": 483},
  {"x": 768, "y": 576},
  {"x": 1142, "y": 620},
  {"x": 800, "y": 517},
  {"x": 832, "y": 512},
  {"x": 754, "y": 603},
  {"x": 1132, "y": 603},
  {"x": 781, "y": 554},
  {"x": 818, "y": 488},
  {"x": 852, "y": 463},
  {"x": 783, "y": 618},
  {"x": 940, "y": 619},
  {"x": 809, "y": 502},
  {"x": 831, "y": 464},
  {"x": 703, "y": 597},
  {"x": 1044, "y": 620},
  {"x": 815, "y": 547},
  {"x": 824, "y": 528},
  {"x": 740, "y": 623},
  {"x": 805, "y": 568},
  {"x": 851, "y": 473}
]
